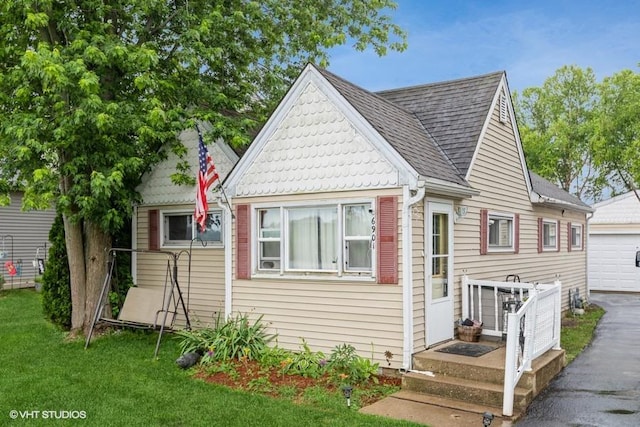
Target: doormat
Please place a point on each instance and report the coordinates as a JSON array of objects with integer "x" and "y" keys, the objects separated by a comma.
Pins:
[{"x": 467, "y": 349}]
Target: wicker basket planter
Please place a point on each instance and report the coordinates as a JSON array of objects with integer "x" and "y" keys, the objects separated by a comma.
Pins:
[{"x": 469, "y": 333}]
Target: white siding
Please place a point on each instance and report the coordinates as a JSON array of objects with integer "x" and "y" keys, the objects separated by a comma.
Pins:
[
  {"x": 498, "y": 174},
  {"x": 203, "y": 289},
  {"x": 418, "y": 259},
  {"x": 327, "y": 312},
  {"x": 29, "y": 231}
]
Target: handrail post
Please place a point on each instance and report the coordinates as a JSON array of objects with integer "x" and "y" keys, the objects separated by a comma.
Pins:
[
  {"x": 465, "y": 296},
  {"x": 531, "y": 331},
  {"x": 510, "y": 365},
  {"x": 557, "y": 314}
]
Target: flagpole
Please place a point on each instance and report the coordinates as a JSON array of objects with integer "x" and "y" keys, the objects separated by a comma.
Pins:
[{"x": 219, "y": 188}]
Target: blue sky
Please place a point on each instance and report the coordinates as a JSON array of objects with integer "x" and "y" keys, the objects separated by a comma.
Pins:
[{"x": 530, "y": 40}]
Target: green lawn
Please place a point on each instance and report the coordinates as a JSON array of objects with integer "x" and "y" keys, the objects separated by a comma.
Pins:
[
  {"x": 577, "y": 331},
  {"x": 117, "y": 383}
]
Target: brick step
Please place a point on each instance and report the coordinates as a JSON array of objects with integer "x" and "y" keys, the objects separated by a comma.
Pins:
[{"x": 464, "y": 390}]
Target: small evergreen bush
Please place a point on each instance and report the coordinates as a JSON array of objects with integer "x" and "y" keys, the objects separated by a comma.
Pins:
[
  {"x": 56, "y": 288},
  {"x": 56, "y": 291}
]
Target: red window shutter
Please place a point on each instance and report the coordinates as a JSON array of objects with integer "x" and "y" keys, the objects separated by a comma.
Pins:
[
  {"x": 558, "y": 239},
  {"x": 569, "y": 237},
  {"x": 540, "y": 235},
  {"x": 516, "y": 234},
  {"x": 387, "y": 221},
  {"x": 484, "y": 231},
  {"x": 243, "y": 242},
  {"x": 154, "y": 230}
]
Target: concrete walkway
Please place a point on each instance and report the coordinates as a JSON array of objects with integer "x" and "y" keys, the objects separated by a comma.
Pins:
[
  {"x": 429, "y": 411},
  {"x": 602, "y": 385}
]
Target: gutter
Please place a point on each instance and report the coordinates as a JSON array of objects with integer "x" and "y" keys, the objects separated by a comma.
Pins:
[
  {"x": 228, "y": 217},
  {"x": 407, "y": 272},
  {"x": 446, "y": 188},
  {"x": 538, "y": 198}
]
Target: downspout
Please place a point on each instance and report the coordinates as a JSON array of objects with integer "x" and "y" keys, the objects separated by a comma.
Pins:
[
  {"x": 134, "y": 244},
  {"x": 407, "y": 272},
  {"x": 228, "y": 217},
  {"x": 586, "y": 254}
]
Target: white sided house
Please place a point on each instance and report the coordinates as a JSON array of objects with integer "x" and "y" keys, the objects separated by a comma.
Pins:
[
  {"x": 163, "y": 221},
  {"x": 614, "y": 245},
  {"x": 24, "y": 242},
  {"x": 356, "y": 215}
]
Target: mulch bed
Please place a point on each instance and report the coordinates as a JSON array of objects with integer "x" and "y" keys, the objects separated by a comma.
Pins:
[{"x": 250, "y": 376}]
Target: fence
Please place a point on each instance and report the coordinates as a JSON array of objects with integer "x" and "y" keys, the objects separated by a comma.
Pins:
[{"x": 532, "y": 325}]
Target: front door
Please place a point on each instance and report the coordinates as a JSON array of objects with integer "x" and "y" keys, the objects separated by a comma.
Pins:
[{"x": 439, "y": 266}]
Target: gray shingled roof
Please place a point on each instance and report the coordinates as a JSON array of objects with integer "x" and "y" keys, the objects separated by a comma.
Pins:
[
  {"x": 401, "y": 128},
  {"x": 548, "y": 189},
  {"x": 454, "y": 112},
  {"x": 436, "y": 127}
]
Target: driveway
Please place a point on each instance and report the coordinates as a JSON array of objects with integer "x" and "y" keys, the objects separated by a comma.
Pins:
[{"x": 602, "y": 385}]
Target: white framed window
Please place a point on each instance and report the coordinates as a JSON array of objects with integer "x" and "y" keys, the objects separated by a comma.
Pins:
[
  {"x": 576, "y": 236},
  {"x": 359, "y": 227},
  {"x": 179, "y": 228},
  {"x": 324, "y": 238},
  {"x": 501, "y": 232},
  {"x": 269, "y": 239},
  {"x": 549, "y": 235}
]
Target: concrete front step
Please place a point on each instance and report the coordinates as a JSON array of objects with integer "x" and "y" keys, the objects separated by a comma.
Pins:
[
  {"x": 490, "y": 368},
  {"x": 443, "y": 402},
  {"x": 460, "y": 366},
  {"x": 464, "y": 390}
]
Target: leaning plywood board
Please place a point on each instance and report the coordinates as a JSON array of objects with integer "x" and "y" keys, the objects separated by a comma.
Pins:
[{"x": 144, "y": 305}]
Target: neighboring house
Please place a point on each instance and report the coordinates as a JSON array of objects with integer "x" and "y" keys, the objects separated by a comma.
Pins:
[
  {"x": 24, "y": 240},
  {"x": 614, "y": 244},
  {"x": 355, "y": 215},
  {"x": 164, "y": 221}
]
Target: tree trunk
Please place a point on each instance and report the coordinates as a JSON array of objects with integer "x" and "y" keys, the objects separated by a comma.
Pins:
[
  {"x": 97, "y": 245},
  {"x": 75, "y": 254}
]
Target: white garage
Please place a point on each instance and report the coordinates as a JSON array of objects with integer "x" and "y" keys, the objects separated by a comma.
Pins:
[{"x": 614, "y": 242}]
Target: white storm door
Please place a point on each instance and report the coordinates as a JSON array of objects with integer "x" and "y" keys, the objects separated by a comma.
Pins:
[{"x": 439, "y": 273}]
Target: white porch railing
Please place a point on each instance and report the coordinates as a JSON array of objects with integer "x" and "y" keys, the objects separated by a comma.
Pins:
[{"x": 532, "y": 330}]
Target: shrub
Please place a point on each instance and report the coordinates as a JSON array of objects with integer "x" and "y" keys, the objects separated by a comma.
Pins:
[
  {"x": 56, "y": 292},
  {"x": 346, "y": 366},
  {"x": 232, "y": 339},
  {"x": 305, "y": 362}
]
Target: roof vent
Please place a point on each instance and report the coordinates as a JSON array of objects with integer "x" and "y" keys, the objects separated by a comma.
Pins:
[{"x": 504, "y": 117}]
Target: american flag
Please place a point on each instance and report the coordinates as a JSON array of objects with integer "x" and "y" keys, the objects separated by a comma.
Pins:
[{"x": 207, "y": 175}]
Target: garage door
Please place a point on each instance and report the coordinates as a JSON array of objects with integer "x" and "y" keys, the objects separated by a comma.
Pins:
[{"x": 612, "y": 262}]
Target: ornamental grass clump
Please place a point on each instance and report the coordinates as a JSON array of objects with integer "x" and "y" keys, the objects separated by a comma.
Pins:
[{"x": 235, "y": 338}]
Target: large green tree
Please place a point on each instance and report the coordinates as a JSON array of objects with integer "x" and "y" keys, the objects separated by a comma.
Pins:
[
  {"x": 557, "y": 124},
  {"x": 617, "y": 150},
  {"x": 92, "y": 90}
]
